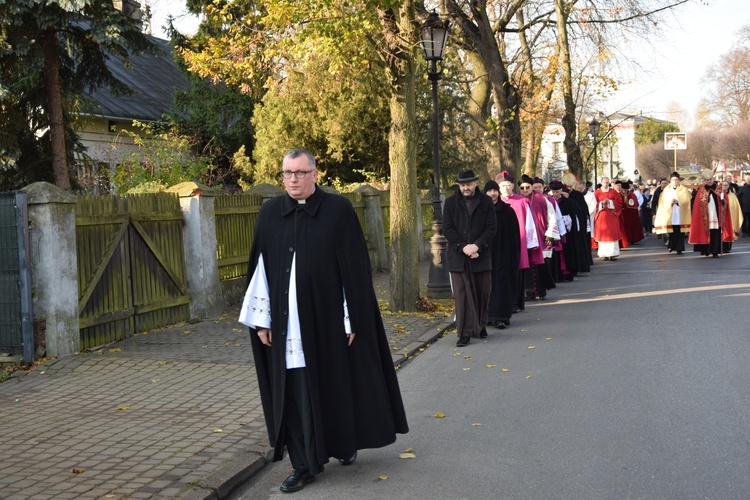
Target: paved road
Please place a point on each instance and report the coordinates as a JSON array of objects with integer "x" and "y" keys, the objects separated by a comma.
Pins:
[{"x": 629, "y": 383}]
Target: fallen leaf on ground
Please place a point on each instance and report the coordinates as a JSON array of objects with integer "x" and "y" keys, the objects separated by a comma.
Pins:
[
  {"x": 506, "y": 370},
  {"x": 77, "y": 471},
  {"x": 489, "y": 366},
  {"x": 382, "y": 478},
  {"x": 116, "y": 349},
  {"x": 467, "y": 369},
  {"x": 528, "y": 377},
  {"x": 121, "y": 408},
  {"x": 407, "y": 455},
  {"x": 408, "y": 450},
  {"x": 218, "y": 430},
  {"x": 476, "y": 424},
  {"x": 439, "y": 414},
  {"x": 532, "y": 347}
]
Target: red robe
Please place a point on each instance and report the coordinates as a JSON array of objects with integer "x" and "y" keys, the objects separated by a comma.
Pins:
[
  {"x": 699, "y": 222},
  {"x": 632, "y": 218},
  {"x": 607, "y": 220}
]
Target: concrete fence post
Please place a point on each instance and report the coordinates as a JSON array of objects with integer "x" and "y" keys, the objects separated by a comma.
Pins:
[
  {"x": 374, "y": 228},
  {"x": 201, "y": 260},
  {"x": 54, "y": 268}
]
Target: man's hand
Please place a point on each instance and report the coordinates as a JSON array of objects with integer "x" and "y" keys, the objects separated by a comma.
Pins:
[
  {"x": 470, "y": 250},
  {"x": 264, "y": 334},
  {"x": 351, "y": 338}
]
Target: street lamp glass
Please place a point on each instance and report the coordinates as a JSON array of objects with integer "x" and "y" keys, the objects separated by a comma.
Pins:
[
  {"x": 434, "y": 34},
  {"x": 594, "y": 127}
]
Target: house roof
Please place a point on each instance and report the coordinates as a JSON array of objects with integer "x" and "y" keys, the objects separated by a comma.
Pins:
[{"x": 153, "y": 80}]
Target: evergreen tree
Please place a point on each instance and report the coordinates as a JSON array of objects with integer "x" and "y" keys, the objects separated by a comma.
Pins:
[{"x": 51, "y": 53}]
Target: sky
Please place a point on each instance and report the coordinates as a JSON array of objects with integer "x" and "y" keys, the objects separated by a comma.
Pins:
[{"x": 670, "y": 69}]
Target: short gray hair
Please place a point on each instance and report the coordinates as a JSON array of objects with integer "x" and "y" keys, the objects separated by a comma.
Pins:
[{"x": 297, "y": 152}]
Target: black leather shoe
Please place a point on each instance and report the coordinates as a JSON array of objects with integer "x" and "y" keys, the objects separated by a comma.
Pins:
[
  {"x": 483, "y": 333},
  {"x": 348, "y": 461},
  {"x": 463, "y": 341},
  {"x": 296, "y": 481}
]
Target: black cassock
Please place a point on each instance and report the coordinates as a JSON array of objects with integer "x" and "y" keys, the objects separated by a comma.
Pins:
[
  {"x": 354, "y": 392},
  {"x": 577, "y": 248},
  {"x": 586, "y": 261},
  {"x": 506, "y": 256}
]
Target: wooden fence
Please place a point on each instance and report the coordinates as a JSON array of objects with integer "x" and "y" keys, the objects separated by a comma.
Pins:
[
  {"x": 131, "y": 265},
  {"x": 235, "y": 224},
  {"x": 236, "y": 216}
]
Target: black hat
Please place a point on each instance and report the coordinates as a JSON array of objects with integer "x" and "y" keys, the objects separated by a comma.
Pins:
[
  {"x": 675, "y": 174},
  {"x": 504, "y": 176},
  {"x": 618, "y": 181},
  {"x": 537, "y": 180},
  {"x": 491, "y": 185},
  {"x": 555, "y": 185},
  {"x": 466, "y": 177},
  {"x": 625, "y": 184},
  {"x": 525, "y": 179}
]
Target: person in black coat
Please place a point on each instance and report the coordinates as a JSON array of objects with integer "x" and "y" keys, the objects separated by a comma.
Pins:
[
  {"x": 325, "y": 372},
  {"x": 469, "y": 225},
  {"x": 743, "y": 195},
  {"x": 506, "y": 256}
]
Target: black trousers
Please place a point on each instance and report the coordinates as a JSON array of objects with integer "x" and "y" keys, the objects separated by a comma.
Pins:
[
  {"x": 676, "y": 240},
  {"x": 299, "y": 431},
  {"x": 745, "y": 223}
]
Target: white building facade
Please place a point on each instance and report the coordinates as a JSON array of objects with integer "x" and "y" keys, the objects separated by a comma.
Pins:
[{"x": 615, "y": 149}]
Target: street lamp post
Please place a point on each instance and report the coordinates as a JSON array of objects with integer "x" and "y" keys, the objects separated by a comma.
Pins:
[
  {"x": 434, "y": 33},
  {"x": 594, "y": 126}
]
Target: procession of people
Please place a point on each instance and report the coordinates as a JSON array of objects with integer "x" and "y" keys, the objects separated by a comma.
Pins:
[
  {"x": 546, "y": 234},
  {"x": 317, "y": 335}
]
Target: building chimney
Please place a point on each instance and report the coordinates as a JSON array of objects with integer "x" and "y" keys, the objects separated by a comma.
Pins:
[{"x": 130, "y": 8}]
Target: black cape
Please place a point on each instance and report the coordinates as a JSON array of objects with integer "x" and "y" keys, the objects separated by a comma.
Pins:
[
  {"x": 574, "y": 246},
  {"x": 582, "y": 213},
  {"x": 506, "y": 257},
  {"x": 355, "y": 397}
]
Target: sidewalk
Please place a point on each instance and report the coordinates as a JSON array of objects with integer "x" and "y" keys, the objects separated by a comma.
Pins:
[{"x": 171, "y": 413}]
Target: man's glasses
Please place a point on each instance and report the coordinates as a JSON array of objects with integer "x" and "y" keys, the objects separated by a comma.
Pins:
[
  {"x": 299, "y": 174},
  {"x": 524, "y": 187}
]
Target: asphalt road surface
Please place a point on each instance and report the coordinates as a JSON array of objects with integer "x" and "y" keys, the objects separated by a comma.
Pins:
[{"x": 632, "y": 382}]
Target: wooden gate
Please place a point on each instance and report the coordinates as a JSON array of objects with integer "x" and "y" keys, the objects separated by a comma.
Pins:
[{"x": 131, "y": 266}]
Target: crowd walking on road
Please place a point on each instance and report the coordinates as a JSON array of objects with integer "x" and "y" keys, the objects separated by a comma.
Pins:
[{"x": 317, "y": 335}]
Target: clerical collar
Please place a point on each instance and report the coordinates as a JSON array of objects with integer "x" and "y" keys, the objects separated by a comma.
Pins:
[{"x": 302, "y": 202}]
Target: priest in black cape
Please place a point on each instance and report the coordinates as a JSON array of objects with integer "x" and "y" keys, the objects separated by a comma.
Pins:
[
  {"x": 577, "y": 197},
  {"x": 506, "y": 256},
  {"x": 324, "y": 392},
  {"x": 574, "y": 241}
]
